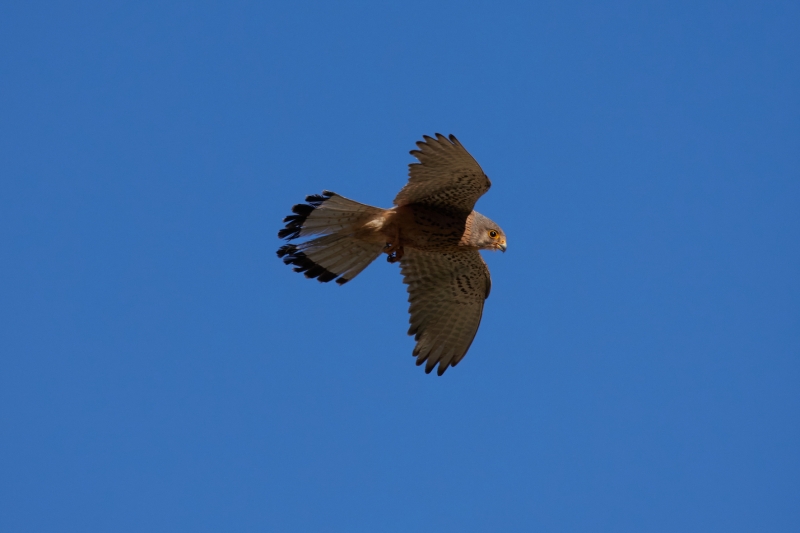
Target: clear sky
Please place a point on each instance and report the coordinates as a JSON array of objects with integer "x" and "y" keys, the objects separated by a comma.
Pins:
[{"x": 638, "y": 363}]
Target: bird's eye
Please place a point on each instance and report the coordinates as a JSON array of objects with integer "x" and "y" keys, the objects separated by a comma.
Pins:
[{"x": 493, "y": 234}]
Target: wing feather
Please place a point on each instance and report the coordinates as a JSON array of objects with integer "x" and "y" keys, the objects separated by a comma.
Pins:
[
  {"x": 446, "y": 296},
  {"x": 447, "y": 176}
]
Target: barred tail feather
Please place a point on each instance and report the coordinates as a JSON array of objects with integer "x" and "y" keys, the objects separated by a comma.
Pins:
[
  {"x": 337, "y": 254},
  {"x": 339, "y": 257},
  {"x": 324, "y": 214}
]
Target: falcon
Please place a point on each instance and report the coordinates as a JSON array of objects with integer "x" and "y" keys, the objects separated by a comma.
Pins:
[{"x": 432, "y": 231}]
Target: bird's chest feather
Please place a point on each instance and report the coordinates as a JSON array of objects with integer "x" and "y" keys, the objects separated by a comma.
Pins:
[{"x": 430, "y": 229}]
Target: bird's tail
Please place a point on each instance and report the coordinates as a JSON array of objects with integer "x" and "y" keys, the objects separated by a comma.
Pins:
[{"x": 338, "y": 253}]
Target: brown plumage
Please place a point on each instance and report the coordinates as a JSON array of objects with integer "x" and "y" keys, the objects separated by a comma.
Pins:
[{"x": 432, "y": 231}]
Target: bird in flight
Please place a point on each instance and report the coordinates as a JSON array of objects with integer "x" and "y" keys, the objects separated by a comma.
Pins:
[{"x": 432, "y": 231}]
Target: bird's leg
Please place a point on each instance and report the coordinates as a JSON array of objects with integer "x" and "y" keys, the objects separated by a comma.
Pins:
[
  {"x": 396, "y": 255},
  {"x": 393, "y": 249}
]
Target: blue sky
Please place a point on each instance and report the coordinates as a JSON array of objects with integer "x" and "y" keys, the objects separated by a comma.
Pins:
[{"x": 638, "y": 362}]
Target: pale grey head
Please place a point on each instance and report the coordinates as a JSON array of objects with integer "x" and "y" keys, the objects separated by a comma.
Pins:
[{"x": 485, "y": 234}]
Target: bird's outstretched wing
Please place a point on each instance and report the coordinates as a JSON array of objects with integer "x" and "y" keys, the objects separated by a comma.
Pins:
[
  {"x": 446, "y": 177},
  {"x": 446, "y": 295}
]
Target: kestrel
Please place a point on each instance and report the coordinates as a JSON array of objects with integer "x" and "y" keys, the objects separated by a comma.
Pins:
[{"x": 432, "y": 231}]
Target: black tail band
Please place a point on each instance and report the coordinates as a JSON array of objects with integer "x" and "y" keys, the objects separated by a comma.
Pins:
[
  {"x": 302, "y": 263},
  {"x": 294, "y": 223}
]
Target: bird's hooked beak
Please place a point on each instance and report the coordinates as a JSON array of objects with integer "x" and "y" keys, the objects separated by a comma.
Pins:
[{"x": 502, "y": 246}]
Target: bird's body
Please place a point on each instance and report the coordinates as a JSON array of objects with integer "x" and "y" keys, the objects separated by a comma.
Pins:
[
  {"x": 420, "y": 227},
  {"x": 432, "y": 231}
]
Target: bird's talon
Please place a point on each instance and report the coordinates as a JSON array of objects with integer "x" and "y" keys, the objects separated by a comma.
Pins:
[{"x": 394, "y": 254}]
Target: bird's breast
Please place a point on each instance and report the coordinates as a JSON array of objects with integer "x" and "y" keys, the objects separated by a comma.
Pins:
[{"x": 428, "y": 228}]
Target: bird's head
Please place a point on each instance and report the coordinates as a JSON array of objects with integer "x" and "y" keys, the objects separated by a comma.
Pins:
[{"x": 486, "y": 234}]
